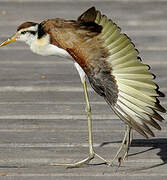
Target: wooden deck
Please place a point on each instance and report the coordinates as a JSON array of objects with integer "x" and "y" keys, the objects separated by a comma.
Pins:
[{"x": 42, "y": 117}]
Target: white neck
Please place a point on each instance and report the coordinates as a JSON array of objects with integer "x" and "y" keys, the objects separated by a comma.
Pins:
[{"x": 43, "y": 47}]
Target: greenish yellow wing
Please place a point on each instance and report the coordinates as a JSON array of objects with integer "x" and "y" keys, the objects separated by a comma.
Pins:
[{"x": 137, "y": 102}]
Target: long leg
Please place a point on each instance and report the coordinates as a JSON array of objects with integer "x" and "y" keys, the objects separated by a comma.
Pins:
[
  {"x": 124, "y": 145},
  {"x": 127, "y": 144},
  {"x": 92, "y": 153},
  {"x": 88, "y": 110}
]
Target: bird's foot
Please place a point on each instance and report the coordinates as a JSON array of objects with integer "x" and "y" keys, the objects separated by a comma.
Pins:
[
  {"x": 120, "y": 159},
  {"x": 124, "y": 146},
  {"x": 82, "y": 162},
  {"x": 76, "y": 164}
]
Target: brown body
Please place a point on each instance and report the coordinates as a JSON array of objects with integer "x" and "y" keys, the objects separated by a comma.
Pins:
[{"x": 83, "y": 42}]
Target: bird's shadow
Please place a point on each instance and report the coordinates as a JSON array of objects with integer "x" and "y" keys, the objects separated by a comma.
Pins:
[{"x": 159, "y": 143}]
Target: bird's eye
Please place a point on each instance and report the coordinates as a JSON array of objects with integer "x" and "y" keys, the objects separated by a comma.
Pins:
[{"x": 23, "y": 32}]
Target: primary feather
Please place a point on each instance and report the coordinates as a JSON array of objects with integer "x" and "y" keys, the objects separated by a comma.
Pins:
[{"x": 137, "y": 94}]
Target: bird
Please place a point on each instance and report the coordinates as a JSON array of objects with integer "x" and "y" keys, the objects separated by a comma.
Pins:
[{"x": 110, "y": 62}]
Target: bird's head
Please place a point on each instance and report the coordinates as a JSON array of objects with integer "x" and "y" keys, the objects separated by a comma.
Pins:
[{"x": 25, "y": 32}]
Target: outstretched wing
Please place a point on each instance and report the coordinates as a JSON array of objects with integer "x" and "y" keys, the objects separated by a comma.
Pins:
[
  {"x": 112, "y": 65},
  {"x": 137, "y": 102}
]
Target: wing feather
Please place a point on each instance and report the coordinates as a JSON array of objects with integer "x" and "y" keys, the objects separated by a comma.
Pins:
[{"x": 137, "y": 102}]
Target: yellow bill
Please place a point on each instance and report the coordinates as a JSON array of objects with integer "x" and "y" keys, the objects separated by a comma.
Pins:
[{"x": 10, "y": 40}]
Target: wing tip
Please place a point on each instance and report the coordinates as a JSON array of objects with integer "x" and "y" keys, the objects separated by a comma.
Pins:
[{"x": 88, "y": 15}]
